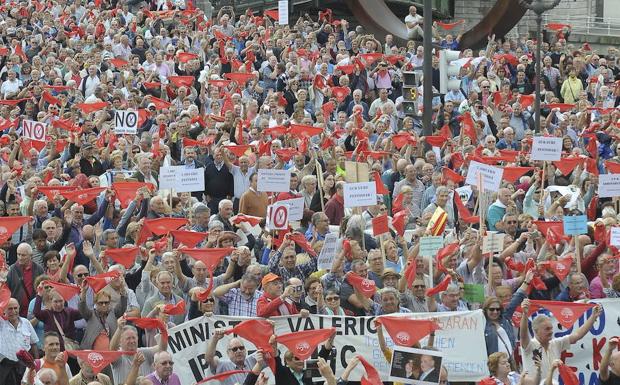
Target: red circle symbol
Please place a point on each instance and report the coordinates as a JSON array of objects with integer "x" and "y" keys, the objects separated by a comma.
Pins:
[{"x": 280, "y": 216}]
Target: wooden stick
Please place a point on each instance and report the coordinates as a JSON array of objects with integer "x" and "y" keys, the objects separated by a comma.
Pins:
[
  {"x": 319, "y": 179},
  {"x": 542, "y": 187},
  {"x": 578, "y": 253}
]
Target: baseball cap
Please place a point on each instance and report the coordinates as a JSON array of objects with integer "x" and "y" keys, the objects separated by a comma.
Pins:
[{"x": 270, "y": 277}]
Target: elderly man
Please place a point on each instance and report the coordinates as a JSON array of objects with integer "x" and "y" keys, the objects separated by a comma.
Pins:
[
  {"x": 127, "y": 337},
  {"x": 78, "y": 223},
  {"x": 450, "y": 300},
  {"x": 164, "y": 295},
  {"x": 390, "y": 302},
  {"x": 334, "y": 208},
  {"x": 576, "y": 290},
  {"x": 241, "y": 175},
  {"x": 225, "y": 212},
  {"x": 219, "y": 182},
  {"x": 237, "y": 358},
  {"x": 508, "y": 141},
  {"x": 240, "y": 296},
  {"x": 496, "y": 211},
  {"x": 413, "y": 21},
  {"x": 543, "y": 344},
  {"x": 87, "y": 376},
  {"x": 163, "y": 374},
  {"x": 275, "y": 301},
  {"x": 144, "y": 173},
  {"x": 16, "y": 334},
  {"x": 21, "y": 277},
  {"x": 411, "y": 180},
  {"x": 283, "y": 262}
]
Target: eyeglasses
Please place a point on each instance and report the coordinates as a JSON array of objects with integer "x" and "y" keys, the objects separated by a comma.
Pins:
[
  {"x": 81, "y": 275},
  {"x": 494, "y": 309},
  {"x": 332, "y": 299},
  {"x": 237, "y": 348},
  {"x": 511, "y": 222}
]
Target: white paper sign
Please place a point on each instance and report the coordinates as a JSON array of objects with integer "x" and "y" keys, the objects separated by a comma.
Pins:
[
  {"x": 34, "y": 130},
  {"x": 614, "y": 236},
  {"x": 283, "y": 12},
  {"x": 608, "y": 185},
  {"x": 274, "y": 180},
  {"x": 126, "y": 122},
  {"x": 546, "y": 148},
  {"x": 277, "y": 216},
  {"x": 295, "y": 209},
  {"x": 360, "y": 194},
  {"x": 491, "y": 176},
  {"x": 493, "y": 243},
  {"x": 331, "y": 247},
  {"x": 182, "y": 179}
]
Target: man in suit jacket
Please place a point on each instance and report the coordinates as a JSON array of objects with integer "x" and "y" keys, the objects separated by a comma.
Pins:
[
  {"x": 144, "y": 173},
  {"x": 429, "y": 373}
]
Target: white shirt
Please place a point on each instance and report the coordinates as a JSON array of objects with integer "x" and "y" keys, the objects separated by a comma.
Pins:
[
  {"x": 17, "y": 338},
  {"x": 10, "y": 87},
  {"x": 413, "y": 19},
  {"x": 91, "y": 84},
  {"x": 554, "y": 351}
]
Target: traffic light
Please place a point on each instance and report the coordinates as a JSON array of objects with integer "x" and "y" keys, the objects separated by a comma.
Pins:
[
  {"x": 410, "y": 93},
  {"x": 448, "y": 73}
]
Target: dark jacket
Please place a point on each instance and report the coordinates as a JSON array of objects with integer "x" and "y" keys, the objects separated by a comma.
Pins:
[
  {"x": 505, "y": 321},
  {"x": 284, "y": 376}
]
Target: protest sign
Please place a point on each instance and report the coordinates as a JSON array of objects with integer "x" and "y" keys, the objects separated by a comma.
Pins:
[
  {"x": 34, "y": 130},
  {"x": 125, "y": 122},
  {"x": 182, "y": 179},
  {"x": 491, "y": 176},
  {"x": 331, "y": 247},
  {"x": 283, "y": 12},
  {"x": 295, "y": 208},
  {"x": 356, "y": 172},
  {"x": 360, "y": 194},
  {"x": 493, "y": 242},
  {"x": 354, "y": 335},
  {"x": 474, "y": 293},
  {"x": 575, "y": 224},
  {"x": 430, "y": 245},
  {"x": 274, "y": 180},
  {"x": 614, "y": 236},
  {"x": 546, "y": 148},
  {"x": 608, "y": 185},
  {"x": 406, "y": 362},
  {"x": 277, "y": 216}
]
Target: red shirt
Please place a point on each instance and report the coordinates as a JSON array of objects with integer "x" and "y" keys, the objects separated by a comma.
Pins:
[{"x": 28, "y": 282}]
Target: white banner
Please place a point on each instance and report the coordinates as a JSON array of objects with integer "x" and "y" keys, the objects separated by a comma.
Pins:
[
  {"x": 182, "y": 179},
  {"x": 491, "y": 176},
  {"x": 125, "y": 122},
  {"x": 360, "y": 194},
  {"x": 34, "y": 130},
  {"x": 546, "y": 148},
  {"x": 274, "y": 180},
  {"x": 460, "y": 332},
  {"x": 608, "y": 185},
  {"x": 586, "y": 354}
]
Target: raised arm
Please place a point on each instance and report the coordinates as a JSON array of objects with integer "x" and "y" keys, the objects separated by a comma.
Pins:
[
  {"x": 524, "y": 333},
  {"x": 583, "y": 330},
  {"x": 612, "y": 344},
  {"x": 210, "y": 356}
]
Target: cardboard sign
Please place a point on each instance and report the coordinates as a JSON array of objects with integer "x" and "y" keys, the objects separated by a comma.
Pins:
[
  {"x": 405, "y": 366},
  {"x": 493, "y": 242},
  {"x": 34, "y": 130},
  {"x": 331, "y": 247},
  {"x": 360, "y": 194},
  {"x": 614, "y": 236},
  {"x": 575, "y": 224},
  {"x": 182, "y": 179},
  {"x": 491, "y": 176},
  {"x": 356, "y": 172},
  {"x": 125, "y": 122},
  {"x": 274, "y": 180},
  {"x": 295, "y": 208},
  {"x": 546, "y": 148},
  {"x": 474, "y": 293},
  {"x": 277, "y": 216},
  {"x": 430, "y": 245},
  {"x": 608, "y": 185}
]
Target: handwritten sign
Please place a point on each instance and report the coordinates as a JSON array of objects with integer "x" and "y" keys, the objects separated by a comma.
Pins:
[
  {"x": 182, "y": 179},
  {"x": 614, "y": 236},
  {"x": 295, "y": 208},
  {"x": 493, "y": 242},
  {"x": 575, "y": 224},
  {"x": 546, "y": 148},
  {"x": 331, "y": 247},
  {"x": 491, "y": 176},
  {"x": 360, "y": 194}
]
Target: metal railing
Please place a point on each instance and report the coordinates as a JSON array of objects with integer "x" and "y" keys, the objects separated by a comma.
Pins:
[{"x": 589, "y": 25}]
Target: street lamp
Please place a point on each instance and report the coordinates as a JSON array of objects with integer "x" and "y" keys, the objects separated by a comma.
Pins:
[{"x": 538, "y": 7}]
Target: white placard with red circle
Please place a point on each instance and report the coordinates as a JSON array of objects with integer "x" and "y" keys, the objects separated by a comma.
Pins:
[{"x": 277, "y": 216}]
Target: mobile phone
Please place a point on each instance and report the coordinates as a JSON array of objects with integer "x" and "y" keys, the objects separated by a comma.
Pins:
[
  {"x": 311, "y": 364},
  {"x": 537, "y": 354}
]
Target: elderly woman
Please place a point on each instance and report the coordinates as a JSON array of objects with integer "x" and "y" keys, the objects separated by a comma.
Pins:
[
  {"x": 332, "y": 304},
  {"x": 102, "y": 321},
  {"x": 499, "y": 331},
  {"x": 499, "y": 367},
  {"x": 308, "y": 184}
]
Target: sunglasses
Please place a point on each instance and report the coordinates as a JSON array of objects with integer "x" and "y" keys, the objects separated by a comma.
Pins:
[
  {"x": 511, "y": 222},
  {"x": 237, "y": 348},
  {"x": 82, "y": 275},
  {"x": 332, "y": 299},
  {"x": 494, "y": 309},
  {"x": 211, "y": 300}
]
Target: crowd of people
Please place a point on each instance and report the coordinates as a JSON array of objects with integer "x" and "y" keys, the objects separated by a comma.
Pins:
[{"x": 98, "y": 261}]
